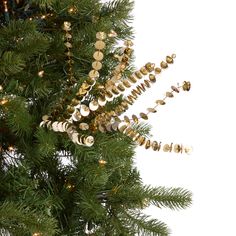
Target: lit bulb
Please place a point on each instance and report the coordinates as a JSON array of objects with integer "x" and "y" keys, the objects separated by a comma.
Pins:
[
  {"x": 71, "y": 10},
  {"x": 36, "y": 234},
  {"x": 11, "y": 148},
  {"x": 3, "y": 101},
  {"x": 102, "y": 162},
  {"x": 41, "y": 73},
  {"x": 1, "y": 88}
]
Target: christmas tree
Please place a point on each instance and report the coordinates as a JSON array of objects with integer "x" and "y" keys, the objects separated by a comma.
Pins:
[{"x": 66, "y": 155}]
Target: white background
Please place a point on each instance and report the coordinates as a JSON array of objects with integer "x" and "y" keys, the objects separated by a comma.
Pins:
[{"x": 203, "y": 35}]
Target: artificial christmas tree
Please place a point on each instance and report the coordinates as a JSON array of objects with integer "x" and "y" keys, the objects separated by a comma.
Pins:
[{"x": 62, "y": 76}]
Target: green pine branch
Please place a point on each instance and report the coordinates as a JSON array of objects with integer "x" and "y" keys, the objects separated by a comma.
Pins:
[
  {"x": 173, "y": 198},
  {"x": 143, "y": 225},
  {"x": 19, "y": 220}
]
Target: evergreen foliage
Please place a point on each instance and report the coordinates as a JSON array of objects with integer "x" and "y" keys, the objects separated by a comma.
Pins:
[{"x": 38, "y": 192}]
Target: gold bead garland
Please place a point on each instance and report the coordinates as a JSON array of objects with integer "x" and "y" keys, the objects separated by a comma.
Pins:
[
  {"x": 119, "y": 69},
  {"x": 132, "y": 79},
  {"x": 68, "y": 43},
  {"x": 108, "y": 121},
  {"x": 67, "y": 127},
  {"x": 147, "y": 143},
  {"x": 186, "y": 87}
]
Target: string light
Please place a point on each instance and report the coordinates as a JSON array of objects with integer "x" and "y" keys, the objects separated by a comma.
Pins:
[
  {"x": 3, "y": 101},
  {"x": 102, "y": 163},
  {"x": 41, "y": 73},
  {"x": 11, "y": 148}
]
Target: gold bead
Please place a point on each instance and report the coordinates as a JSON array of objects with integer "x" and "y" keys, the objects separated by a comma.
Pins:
[
  {"x": 85, "y": 86},
  {"x": 101, "y": 35},
  {"x": 150, "y": 66},
  {"x": 178, "y": 148},
  {"x": 128, "y": 51},
  {"x": 122, "y": 127},
  {"x": 143, "y": 116},
  {"x": 114, "y": 90},
  {"x": 100, "y": 45},
  {"x": 143, "y": 70},
  {"x": 126, "y": 83},
  {"x": 68, "y": 35},
  {"x": 97, "y": 65},
  {"x": 68, "y": 45},
  {"x": 147, "y": 83},
  {"x": 108, "y": 96},
  {"x": 156, "y": 146},
  {"x": 163, "y": 65},
  {"x": 166, "y": 148},
  {"x": 132, "y": 79},
  {"x": 88, "y": 141},
  {"x": 70, "y": 109},
  {"x": 93, "y": 105},
  {"x": 84, "y": 110},
  {"x": 169, "y": 95},
  {"x": 135, "y": 93},
  {"x": 98, "y": 56},
  {"x": 75, "y": 102},
  {"x": 135, "y": 119},
  {"x": 83, "y": 126},
  {"x": 131, "y": 98},
  {"x": 138, "y": 74},
  {"x": 126, "y": 119},
  {"x": 114, "y": 126},
  {"x": 128, "y": 43},
  {"x": 186, "y": 86},
  {"x": 188, "y": 150},
  {"x": 173, "y": 56},
  {"x": 121, "y": 87},
  {"x": 141, "y": 140},
  {"x": 157, "y": 70},
  {"x": 148, "y": 144},
  {"x": 160, "y": 102},
  {"x": 169, "y": 60},
  {"x": 66, "y": 26},
  {"x": 102, "y": 101},
  {"x": 139, "y": 89},
  {"x": 125, "y": 104},
  {"x": 152, "y": 78},
  {"x": 93, "y": 74},
  {"x": 81, "y": 92},
  {"x": 175, "y": 89},
  {"x": 151, "y": 110}
]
